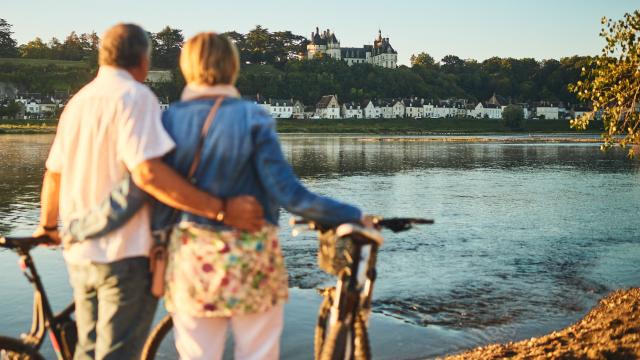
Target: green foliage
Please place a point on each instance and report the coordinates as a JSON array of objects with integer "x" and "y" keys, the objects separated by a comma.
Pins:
[
  {"x": 259, "y": 46},
  {"x": 10, "y": 109},
  {"x": 423, "y": 59},
  {"x": 512, "y": 117},
  {"x": 166, "y": 46},
  {"x": 521, "y": 80},
  {"x": 611, "y": 83},
  {"x": 418, "y": 126},
  {"x": 7, "y": 42},
  {"x": 83, "y": 47},
  {"x": 45, "y": 78}
]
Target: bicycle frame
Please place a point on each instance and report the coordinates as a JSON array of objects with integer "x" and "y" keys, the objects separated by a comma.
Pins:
[
  {"x": 43, "y": 317},
  {"x": 359, "y": 279}
]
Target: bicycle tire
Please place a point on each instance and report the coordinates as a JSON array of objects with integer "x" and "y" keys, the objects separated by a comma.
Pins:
[
  {"x": 362, "y": 346},
  {"x": 323, "y": 319},
  {"x": 155, "y": 338},
  {"x": 17, "y": 350}
]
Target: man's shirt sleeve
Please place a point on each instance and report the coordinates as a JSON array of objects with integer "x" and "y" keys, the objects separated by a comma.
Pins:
[{"x": 141, "y": 134}]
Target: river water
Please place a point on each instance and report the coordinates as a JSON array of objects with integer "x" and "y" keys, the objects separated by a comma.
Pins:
[{"x": 527, "y": 237}]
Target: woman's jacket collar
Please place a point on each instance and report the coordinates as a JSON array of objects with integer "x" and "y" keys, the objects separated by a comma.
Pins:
[{"x": 196, "y": 91}]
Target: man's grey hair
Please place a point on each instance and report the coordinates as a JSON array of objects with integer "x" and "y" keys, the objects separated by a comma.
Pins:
[{"x": 124, "y": 45}]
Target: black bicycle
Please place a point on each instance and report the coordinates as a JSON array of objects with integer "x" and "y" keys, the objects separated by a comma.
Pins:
[
  {"x": 349, "y": 252},
  {"x": 61, "y": 326}
]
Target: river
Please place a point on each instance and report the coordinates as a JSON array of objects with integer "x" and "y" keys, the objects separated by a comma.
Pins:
[{"x": 527, "y": 237}]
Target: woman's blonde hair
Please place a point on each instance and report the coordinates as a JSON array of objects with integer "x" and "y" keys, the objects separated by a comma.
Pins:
[{"x": 209, "y": 59}]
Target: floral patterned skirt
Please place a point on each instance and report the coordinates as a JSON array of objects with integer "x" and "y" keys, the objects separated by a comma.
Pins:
[{"x": 224, "y": 273}]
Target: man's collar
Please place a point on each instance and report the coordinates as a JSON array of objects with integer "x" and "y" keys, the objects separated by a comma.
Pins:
[
  {"x": 108, "y": 71},
  {"x": 195, "y": 91}
]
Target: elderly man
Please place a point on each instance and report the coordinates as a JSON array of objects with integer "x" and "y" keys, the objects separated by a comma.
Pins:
[{"x": 112, "y": 126}]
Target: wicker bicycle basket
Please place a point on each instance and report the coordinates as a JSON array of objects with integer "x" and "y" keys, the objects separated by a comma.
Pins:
[{"x": 334, "y": 253}]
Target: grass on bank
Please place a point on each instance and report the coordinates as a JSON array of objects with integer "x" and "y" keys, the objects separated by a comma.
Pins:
[
  {"x": 424, "y": 126},
  {"x": 366, "y": 126},
  {"x": 43, "y": 62},
  {"x": 28, "y": 126}
]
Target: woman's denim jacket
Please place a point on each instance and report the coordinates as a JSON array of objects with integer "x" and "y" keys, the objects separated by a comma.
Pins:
[{"x": 241, "y": 156}]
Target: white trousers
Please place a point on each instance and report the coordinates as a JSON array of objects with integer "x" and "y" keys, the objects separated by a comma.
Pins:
[{"x": 256, "y": 336}]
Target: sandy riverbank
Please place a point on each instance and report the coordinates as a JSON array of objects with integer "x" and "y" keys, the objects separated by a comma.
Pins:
[{"x": 611, "y": 330}]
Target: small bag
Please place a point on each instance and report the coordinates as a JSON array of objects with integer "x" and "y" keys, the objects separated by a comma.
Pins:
[
  {"x": 334, "y": 252},
  {"x": 158, "y": 256}
]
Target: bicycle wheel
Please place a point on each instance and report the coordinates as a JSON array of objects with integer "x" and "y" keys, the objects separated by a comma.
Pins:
[
  {"x": 323, "y": 321},
  {"x": 155, "y": 339},
  {"x": 14, "y": 349}
]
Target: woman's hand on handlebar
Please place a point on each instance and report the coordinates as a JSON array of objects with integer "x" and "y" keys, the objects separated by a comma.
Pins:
[
  {"x": 52, "y": 234},
  {"x": 368, "y": 221}
]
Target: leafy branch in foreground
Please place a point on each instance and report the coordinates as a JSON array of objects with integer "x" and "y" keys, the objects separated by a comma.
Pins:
[{"x": 611, "y": 84}]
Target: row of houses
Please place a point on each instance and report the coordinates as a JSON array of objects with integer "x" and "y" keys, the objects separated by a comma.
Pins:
[
  {"x": 328, "y": 107},
  {"x": 36, "y": 106}
]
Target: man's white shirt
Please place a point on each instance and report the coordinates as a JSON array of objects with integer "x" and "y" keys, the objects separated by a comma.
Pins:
[{"x": 111, "y": 125}]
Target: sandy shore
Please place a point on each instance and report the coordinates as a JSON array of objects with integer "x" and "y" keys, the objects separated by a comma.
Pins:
[{"x": 611, "y": 330}]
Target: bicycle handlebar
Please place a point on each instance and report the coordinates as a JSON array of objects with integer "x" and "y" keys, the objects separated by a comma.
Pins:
[
  {"x": 393, "y": 224},
  {"x": 24, "y": 243}
]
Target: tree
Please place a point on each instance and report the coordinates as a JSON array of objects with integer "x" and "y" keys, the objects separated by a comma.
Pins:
[
  {"x": 452, "y": 63},
  {"x": 7, "y": 42},
  {"x": 611, "y": 84},
  {"x": 512, "y": 117},
  {"x": 422, "y": 59},
  {"x": 166, "y": 48},
  {"x": 35, "y": 49},
  {"x": 10, "y": 109},
  {"x": 72, "y": 48}
]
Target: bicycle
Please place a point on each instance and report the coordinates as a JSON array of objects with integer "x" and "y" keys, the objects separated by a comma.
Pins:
[
  {"x": 61, "y": 327},
  {"x": 349, "y": 252},
  {"x": 350, "y": 249}
]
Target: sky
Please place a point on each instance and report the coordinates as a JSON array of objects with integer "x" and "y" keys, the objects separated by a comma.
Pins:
[{"x": 470, "y": 29}]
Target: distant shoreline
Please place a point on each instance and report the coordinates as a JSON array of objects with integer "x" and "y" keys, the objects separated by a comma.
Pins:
[
  {"x": 451, "y": 127},
  {"x": 479, "y": 139}
]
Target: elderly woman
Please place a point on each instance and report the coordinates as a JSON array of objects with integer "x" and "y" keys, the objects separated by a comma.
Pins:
[{"x": 219, "y": 276}]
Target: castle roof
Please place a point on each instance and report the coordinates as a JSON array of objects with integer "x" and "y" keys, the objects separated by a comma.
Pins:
[
  {"x": 382, "y": 46},
  {"x": 358, "y": 53},
  {"x": 324, "y": 38}
]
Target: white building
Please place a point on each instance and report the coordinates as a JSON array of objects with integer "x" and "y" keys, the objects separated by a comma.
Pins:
[
  {"x": 490, "y": 109},
  {"x": 370, "y": 110},
  {"x": 298, "y": 110},
  {"x": 328, "y": 107},
  {"x": 381, "y": 53},
  {"x": 351, "y": 110},
  {"x": 414, "y": 108},
  {"x": 281, "y": 109},
  {"x": 439, "y": 112},
  {"x": 427, "y": 110},
  {"x": 548, "y": 112},
  {"x": 398, "y": 109}
]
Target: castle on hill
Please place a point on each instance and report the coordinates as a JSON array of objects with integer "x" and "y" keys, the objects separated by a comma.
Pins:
[{"x": 381, "y": 53}]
